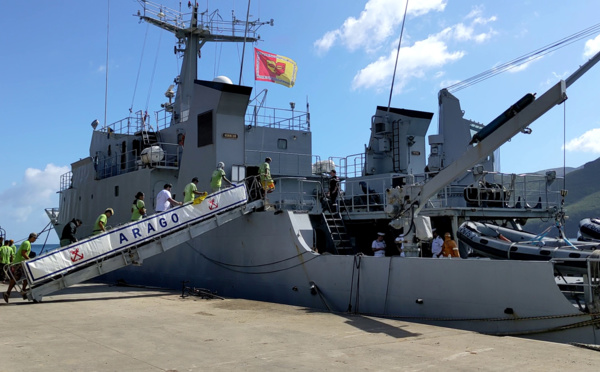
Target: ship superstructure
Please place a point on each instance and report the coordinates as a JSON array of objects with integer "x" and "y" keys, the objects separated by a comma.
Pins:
[{"x": 304, "y": 251}]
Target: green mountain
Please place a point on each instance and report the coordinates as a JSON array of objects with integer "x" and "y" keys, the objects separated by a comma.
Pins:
[{"x": 582, "y": 200}]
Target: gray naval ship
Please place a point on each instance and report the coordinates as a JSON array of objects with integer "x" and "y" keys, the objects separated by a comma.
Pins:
[{"x": 294, "y": 247}]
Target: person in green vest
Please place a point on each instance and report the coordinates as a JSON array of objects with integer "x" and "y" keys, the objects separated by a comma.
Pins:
[
  {"x": 6, "y": 257},
  {"x": 138, "y": 207},
  {"x": 218, "y": 176},
  {"x": 191, "y": 190},
  {"x": 100, "y": 225},
  {"x": 11, "y": 244},
  {"x": 22, "y": 255},
  {"x": 266, "y": 181}
]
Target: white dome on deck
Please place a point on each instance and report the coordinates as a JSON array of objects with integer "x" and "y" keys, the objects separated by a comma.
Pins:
[{"x": 223, "y": 79}]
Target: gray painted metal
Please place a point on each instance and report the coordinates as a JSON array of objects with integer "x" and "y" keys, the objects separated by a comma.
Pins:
[{"x": 273, "y": 255}]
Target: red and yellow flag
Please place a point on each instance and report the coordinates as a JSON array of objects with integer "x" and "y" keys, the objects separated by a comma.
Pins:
[{"x": 272, "y": 67}]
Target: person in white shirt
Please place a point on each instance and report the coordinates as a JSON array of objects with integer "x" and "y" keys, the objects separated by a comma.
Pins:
[
  {"x": 379, "y": 246},
  {"x": 164, "y": 200},
  {"x": 436, "y": 245},
  {"x": 400, "y": 244}
]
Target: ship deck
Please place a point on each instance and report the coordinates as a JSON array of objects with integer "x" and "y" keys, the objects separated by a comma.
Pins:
[{"x": 95, "y": 327}]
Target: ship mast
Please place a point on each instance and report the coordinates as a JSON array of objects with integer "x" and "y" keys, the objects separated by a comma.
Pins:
[{"x": 210, "y": 27}]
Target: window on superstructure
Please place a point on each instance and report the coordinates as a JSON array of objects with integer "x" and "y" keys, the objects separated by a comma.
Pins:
[
  {"x": 123, "y": 155},
  {"x": 116, "y": 190},
  {"x": 205, "y": 129},
  {"x": 282, "y": 144}
]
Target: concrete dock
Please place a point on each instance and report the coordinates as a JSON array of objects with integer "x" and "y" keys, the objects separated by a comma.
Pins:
[{"x": 96, "y": 327}]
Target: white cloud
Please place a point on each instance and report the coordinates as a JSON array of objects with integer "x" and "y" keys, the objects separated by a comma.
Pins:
[
  {"x": 375, "y": 24},
  {"x": 447, "y": 83},
  {"x": 380, "y": 20},
  {"x": 416, "y": 60},
  {"x": 587, "y": 142},
  {"x": 22, "y": 204},
  {"x": 521, "y": 67},
  {"x": 326, "y": 42},
  {"x": 592, "y": 47}
]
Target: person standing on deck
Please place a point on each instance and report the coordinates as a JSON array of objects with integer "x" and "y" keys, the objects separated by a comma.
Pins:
[
  {"x": 266, "y": 181},
  {"x": 68, "y": 234},
  {"x": 449, "y": 248},
  {"x": 334, "y": 189},
  {"x": 400, "y": 244},
  {"x": 436, "y": 245},
  {"x": 378, "y": 245},
  {"x": 164, "y": 200},
  {"x": 190, "y": 191},
  {"x": 138, "y": 207},
  {"x": 100, "y": 225},
  {"x": 218, "y": 176},
  {"x": 22, "y": 255}
]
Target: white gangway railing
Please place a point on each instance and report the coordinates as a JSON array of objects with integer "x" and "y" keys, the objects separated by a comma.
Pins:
[{"x": 133, "y": 242}]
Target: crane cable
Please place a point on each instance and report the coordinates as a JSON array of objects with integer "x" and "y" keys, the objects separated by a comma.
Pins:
[{"x": 524, "y": 58}]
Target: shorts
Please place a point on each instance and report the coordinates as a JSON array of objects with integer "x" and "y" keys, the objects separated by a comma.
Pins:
[{"x": 17, "y": 271}]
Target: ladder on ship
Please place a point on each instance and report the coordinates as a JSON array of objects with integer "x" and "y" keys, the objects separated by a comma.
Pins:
[
  {"x": 337, "y": 231},
  {"x": 132, "y": 253}
]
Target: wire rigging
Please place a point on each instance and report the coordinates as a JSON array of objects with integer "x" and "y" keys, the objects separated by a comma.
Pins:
[
  {"x": 137, "y": 78},
  {"x": 106, "y": 75},
  {"x": 397, "y": 54},
  {"x": 153, "y": 73},
  {"x": 538, "y": 53}
]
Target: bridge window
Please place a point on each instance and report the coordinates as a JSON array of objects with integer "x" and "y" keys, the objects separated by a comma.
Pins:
[{"x": 282, "y": 144}]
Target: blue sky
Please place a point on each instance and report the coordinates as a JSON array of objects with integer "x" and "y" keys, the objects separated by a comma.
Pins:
[{"x": 53, "y": 76}]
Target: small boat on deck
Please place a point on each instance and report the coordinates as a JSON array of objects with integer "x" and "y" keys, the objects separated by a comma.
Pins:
[
  {"x": 505, "y": 243},
  {"x": 589, "y": 229}
]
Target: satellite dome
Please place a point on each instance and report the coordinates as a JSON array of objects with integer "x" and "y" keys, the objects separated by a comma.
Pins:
[{"x": 223, "y": 79}]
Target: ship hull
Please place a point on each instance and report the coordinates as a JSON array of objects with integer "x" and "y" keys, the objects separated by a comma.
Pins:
[{"x": 268, "y": 257}]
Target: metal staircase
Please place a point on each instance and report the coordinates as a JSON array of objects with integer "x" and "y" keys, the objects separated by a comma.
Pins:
[{"x": 337, "y": 231}]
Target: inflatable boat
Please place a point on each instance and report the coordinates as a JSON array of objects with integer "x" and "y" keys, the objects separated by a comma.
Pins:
[
  {"x": 589, "y": 229},
  {"x": 504, "y": 243}
]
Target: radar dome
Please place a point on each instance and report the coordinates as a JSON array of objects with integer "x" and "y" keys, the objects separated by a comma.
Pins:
[{"x": 223, "y": 79}]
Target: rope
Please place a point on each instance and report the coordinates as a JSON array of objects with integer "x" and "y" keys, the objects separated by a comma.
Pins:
[
  {"x": 230, "y": 267},
  {"x": 355, "y": 266},
  {"x": 586, "y": 346}
]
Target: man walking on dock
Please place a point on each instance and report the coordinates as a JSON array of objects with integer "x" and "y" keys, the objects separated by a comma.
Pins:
[{"x": 22, "y": 255}]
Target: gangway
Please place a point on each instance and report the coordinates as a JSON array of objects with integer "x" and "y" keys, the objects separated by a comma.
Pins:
[{"x": 133, "y": 242}]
